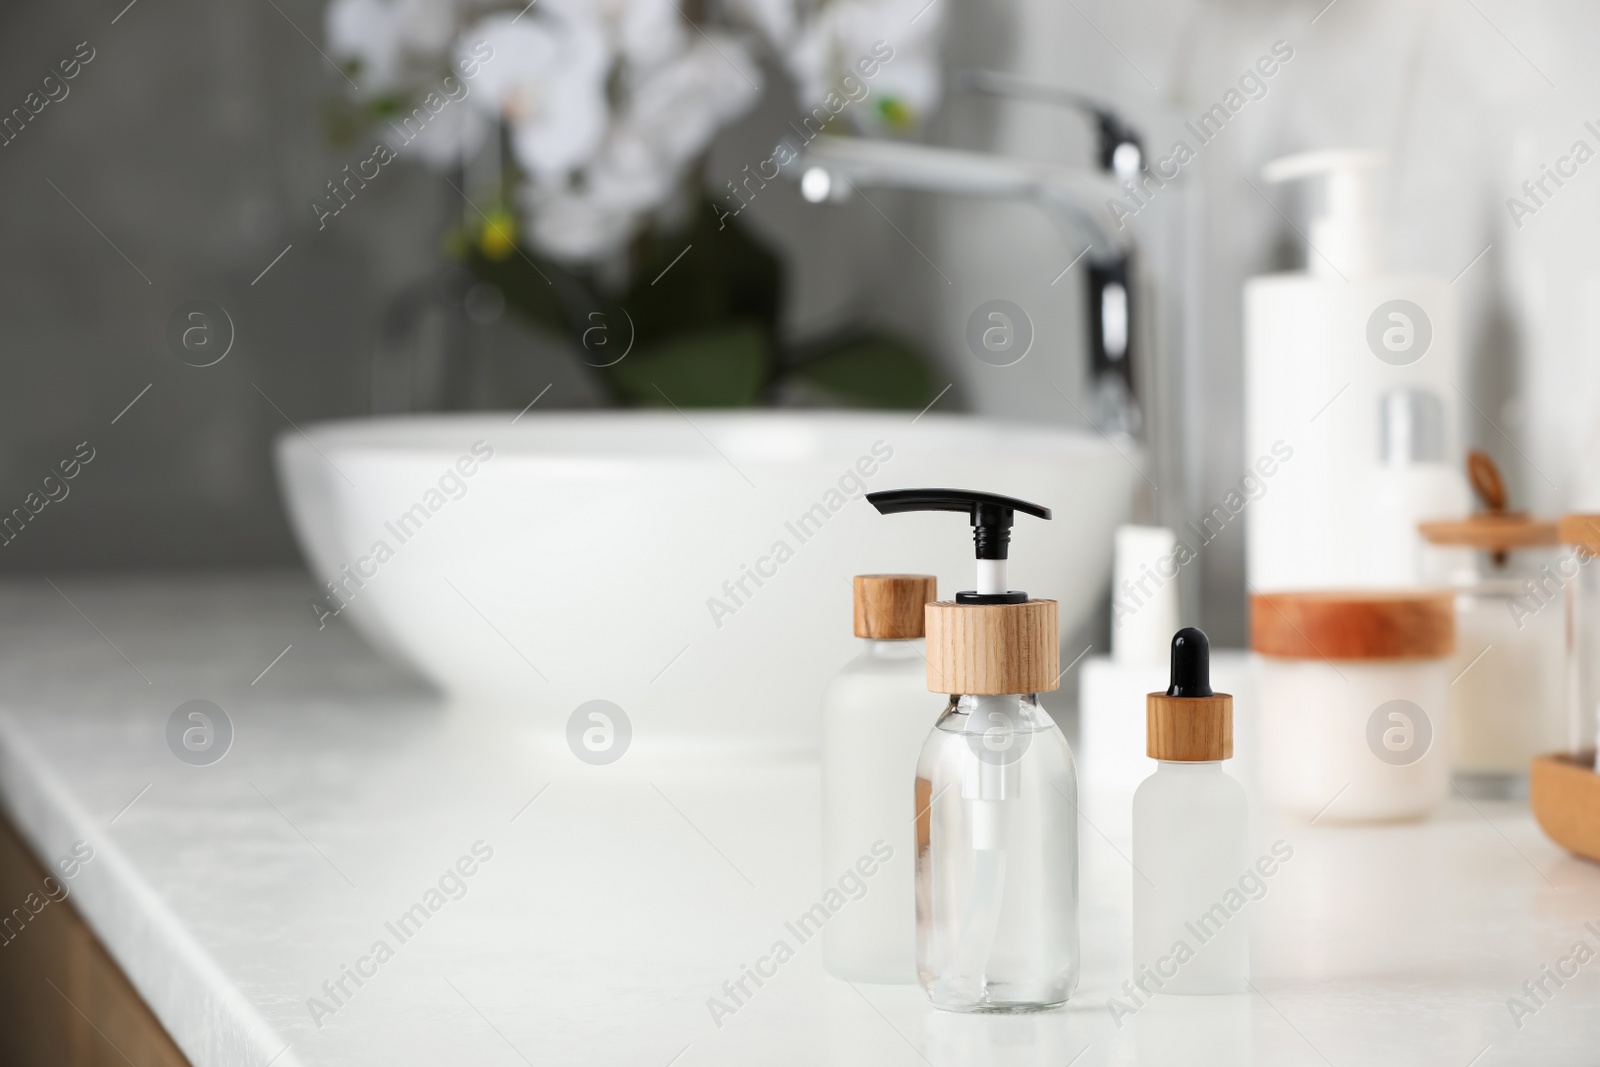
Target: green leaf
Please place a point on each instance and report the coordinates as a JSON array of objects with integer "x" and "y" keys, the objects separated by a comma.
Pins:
[
  {"x": 710, "y": 369},
  {"x": 872, "y": 371},
  {"x": 710, "y": 273},
  {"x": 530, "y": 291}
]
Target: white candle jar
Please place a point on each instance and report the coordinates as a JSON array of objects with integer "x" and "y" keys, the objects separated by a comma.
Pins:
[
  {"x": 1354, "y": 692},
  {"x": 1508, "y": 700},
  {"x": 1508, "y": 692}
]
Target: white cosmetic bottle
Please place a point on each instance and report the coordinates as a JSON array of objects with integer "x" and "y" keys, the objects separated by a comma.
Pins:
[
  {"x": 876, "y": 713},
  {"x": 1352, "y": 387},
  {"x": 1190, "y": 824}
]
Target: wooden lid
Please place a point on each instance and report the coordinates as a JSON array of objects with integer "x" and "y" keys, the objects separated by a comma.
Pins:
[
  {"x": 993, "y": 649},
  {"x": 1580, "y": 530},
  {"x": 1353, "y": 625},
  {"x": 1492, "y": 532},
  {"x": 1496, "y": 529},
  {"x": 889, "y": 606},
  {"x": 1188, "y": 729}
]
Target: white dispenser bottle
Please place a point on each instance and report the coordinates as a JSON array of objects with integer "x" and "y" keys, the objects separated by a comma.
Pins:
[
  {"x": 1333, "y": 355},
  {"x": 997, "y": 793},
  {"x": 876, "y": 713},
  {"x": 1190, "y": 822}
]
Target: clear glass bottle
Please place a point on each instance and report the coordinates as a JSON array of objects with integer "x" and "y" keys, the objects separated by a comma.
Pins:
[{"x": 997, "y": 858}]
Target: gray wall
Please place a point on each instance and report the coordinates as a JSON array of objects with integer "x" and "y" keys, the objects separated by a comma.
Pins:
[{"x": 192, "y": 142}]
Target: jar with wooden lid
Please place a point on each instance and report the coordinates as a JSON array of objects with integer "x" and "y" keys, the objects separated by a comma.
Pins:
[
  {"x": 1508, "y": 700},
  {"x": 1353, "y": 690}
]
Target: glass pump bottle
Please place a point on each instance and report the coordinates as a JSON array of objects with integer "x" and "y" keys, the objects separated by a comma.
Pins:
[{"x": 996, "y": 790}]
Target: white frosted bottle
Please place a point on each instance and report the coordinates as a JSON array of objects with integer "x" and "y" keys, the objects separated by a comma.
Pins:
[
  {"x": 876, "y": 714},
  {"x": 1191, "y": 931}
]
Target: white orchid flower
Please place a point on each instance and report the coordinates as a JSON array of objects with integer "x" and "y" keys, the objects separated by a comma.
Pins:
[
  {"x": 576, "y": 227},
  {"x": 368, "y": 32},
  {"x": 904, "y": 90},
  {"x": 427, "y": 26},
  {"x": 451, "y": 136},
  {"x": 391, "y": 40},
  {"x": 609, "y": 102},
  {"x": 651, "y": 32},
  {"x": 547, "y": 79},
  {"x": 776, "y": 20},
  {"x": 666, "y": 120},
  {"x": 679, "y": 107}
]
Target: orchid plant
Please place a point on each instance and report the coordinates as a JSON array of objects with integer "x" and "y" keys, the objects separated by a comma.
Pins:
[{"x": 591, "y": 119}]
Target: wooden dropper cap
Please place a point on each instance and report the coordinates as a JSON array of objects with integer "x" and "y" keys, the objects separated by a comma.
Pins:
[
  {"x": 1189, "y": 723},
  {"x": 888, "y": 607}
]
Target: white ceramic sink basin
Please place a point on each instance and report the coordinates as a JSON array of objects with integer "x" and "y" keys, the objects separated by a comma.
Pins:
[{"x": 569, "y": 557}]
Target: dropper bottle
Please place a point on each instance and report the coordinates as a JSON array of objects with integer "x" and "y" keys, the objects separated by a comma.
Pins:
[
  {"x": 996, "y": 790},
  {"x": 1190, "y": 820}
]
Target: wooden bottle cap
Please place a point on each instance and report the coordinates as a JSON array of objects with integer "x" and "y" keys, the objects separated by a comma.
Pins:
[
  {"x": 1581, "y": 530},
  {"x": 1348, "y": 625},
  {"x": 1188, "y": 729},
  {"x": 888, "y": 607},
  {"x": 993, "y": 649}
]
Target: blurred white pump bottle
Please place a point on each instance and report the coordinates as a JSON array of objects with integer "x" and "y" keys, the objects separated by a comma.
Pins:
[{"x": 1356, "y": 370}]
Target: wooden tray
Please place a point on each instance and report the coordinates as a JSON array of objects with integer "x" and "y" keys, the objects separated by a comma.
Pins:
[{"x": 1565, "y": 794}]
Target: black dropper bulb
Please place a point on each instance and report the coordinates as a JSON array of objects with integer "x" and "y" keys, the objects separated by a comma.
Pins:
[{"x": 1191, "y": 664}]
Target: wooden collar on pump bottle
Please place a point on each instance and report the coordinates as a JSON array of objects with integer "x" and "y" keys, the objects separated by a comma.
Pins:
[{"x": 993, "y": 649}]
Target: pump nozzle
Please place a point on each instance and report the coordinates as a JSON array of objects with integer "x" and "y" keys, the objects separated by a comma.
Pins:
[
  {"x": 1346, "y": 236},
  {"x": 991, "y": 516}
]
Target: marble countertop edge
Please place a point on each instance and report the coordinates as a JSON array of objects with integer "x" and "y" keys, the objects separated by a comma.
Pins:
[{"x": 206, "y": 1016}]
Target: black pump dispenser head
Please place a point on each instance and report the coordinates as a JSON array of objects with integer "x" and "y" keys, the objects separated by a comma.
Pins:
[
  {"x": 991, "y": 516},
  {"x": 1191, "y": 664}
]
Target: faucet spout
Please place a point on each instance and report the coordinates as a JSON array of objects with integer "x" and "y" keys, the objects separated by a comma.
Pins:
[{"x": 1074, "y": 198}]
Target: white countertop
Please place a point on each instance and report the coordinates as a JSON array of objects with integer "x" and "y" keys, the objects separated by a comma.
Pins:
[{"x": 623, "y": 896}]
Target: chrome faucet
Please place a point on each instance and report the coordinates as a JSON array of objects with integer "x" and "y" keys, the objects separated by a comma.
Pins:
[{"x": 1076, "y": 199}]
